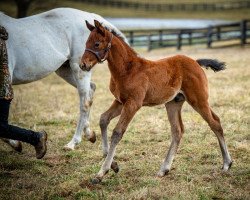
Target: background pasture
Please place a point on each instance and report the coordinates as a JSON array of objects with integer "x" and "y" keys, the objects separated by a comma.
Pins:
[
  {"x": 8, "y": 6},
  {"x": 51, "y": 104}
]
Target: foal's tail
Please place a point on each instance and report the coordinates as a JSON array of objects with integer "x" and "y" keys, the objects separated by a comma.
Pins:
[{"x": 213, "y": 64}]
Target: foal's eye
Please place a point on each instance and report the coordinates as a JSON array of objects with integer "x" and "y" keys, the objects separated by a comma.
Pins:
[{"x": 97, "y": 44}]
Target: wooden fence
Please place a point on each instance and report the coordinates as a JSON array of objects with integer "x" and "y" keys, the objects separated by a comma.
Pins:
[
  {"x": 226, "y": 5},
  {"x": 153, "y": 39}
]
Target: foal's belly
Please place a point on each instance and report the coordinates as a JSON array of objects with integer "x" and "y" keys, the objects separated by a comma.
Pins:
[
  {"x": 160, "y": 96},
  {"x": 154, "y": 102}
]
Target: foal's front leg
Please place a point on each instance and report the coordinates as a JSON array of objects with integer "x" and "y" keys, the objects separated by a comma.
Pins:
[
  {"x": 128, "y": 111},
  {"x": 114, "y": 110}
]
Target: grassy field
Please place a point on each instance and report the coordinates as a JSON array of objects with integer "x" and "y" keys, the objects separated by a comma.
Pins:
[
  {"x": 40, "y": 6},
  {"x": 52, "y": 105}
]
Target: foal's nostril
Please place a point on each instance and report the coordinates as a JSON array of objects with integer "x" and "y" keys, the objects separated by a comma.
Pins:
[{"x": 82, "y": 65}]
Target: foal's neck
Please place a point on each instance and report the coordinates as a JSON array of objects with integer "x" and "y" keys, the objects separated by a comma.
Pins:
[{"x": 121, "y": 58}]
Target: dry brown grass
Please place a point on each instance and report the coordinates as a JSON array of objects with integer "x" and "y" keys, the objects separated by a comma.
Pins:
[{"x": 52, "y": 104}]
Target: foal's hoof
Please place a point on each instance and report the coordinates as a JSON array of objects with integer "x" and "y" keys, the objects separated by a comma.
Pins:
[
  {"x": 161, "y": 174},
  {"x": 96, "y": 180},
  {"x": 227, "y": 167},
  {"x": 92, "y": 137},
  {"x": 115, "y": 167}
]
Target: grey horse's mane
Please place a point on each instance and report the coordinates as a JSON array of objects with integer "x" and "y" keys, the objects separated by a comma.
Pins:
[{"x": 116, "y": 33}]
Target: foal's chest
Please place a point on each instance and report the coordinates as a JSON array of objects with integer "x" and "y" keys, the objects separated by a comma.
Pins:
[{"x": 119, "y": 91}]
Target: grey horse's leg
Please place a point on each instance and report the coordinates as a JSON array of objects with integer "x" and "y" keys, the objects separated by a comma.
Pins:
[
  {"x": 16, "y": 145},
  {"x": 81, "y": 81}
]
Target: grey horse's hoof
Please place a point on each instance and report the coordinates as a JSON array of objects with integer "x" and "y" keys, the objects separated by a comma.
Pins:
[
  {"x": 96, "y": 180},
  {"x": 18, "y": 147}
]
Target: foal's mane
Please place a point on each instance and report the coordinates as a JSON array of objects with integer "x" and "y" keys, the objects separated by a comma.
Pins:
[{"x": 121, "y": 37}]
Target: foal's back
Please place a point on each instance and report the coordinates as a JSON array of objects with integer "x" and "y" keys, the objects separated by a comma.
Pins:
[{"x": 169, "y": 76}]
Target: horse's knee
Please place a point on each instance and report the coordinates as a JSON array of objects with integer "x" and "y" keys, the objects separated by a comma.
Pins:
[
  {"x": 92, "y": 86},
  {"x": 85, "y": 107},
  {"x": 92, "y": 91}
]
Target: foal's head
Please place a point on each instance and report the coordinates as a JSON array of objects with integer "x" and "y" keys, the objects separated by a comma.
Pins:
[{"x": 97, "y": 46}]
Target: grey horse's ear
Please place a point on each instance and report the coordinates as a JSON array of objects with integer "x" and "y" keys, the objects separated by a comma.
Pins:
[
  {"x": 99, "y": 27},
  {"x": 89, "y": 26}
]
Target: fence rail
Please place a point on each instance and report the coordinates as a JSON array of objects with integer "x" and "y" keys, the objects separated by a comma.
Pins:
[
  {"x": 226, "y": 5},
  {"x": 159, "y": 38}
]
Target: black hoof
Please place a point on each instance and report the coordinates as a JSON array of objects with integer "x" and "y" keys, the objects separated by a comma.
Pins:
[
  {"x": 93, "y": 138},
  {"x": 166, "y": 172},
  {"x": 161, "y": 174},
  {"x": 115, "y": 167},
  {"x": 96, "y": 180}
]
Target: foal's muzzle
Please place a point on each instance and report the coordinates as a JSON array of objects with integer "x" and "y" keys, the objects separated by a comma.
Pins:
[{"x": 85, "y": 67}]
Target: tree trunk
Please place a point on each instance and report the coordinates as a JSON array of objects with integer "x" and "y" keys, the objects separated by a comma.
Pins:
[{"x": 22, "y": 7}]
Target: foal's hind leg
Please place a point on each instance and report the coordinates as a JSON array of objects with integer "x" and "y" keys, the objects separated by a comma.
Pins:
[
  {"x": 213, "y": 121},
  {"x": 177, "y": 130},
  {"x": 196, "y": 93}
]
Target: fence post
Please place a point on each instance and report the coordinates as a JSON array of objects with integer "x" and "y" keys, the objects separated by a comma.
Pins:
[
  {"x": 190, "y": 38},
  {"x": 160, "y": 38},
  {"x": 243, "y": 30},
  {"x": 179, "y": 40},
  {"x": 218, "y": 33},
  {"x": 209, "y": 36},
  {"x": 131, "y": 38},
  {"x": 149, "y": 42}
]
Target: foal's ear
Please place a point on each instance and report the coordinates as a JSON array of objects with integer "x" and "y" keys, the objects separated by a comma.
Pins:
[
  {"x": 89, "y": 26},
  {"x": 99, "y": 27}
]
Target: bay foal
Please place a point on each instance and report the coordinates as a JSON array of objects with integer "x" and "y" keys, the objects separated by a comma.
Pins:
[{"x": 137, "y": 82}]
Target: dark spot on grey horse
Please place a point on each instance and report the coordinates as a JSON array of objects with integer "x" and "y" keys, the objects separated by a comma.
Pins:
[{"x": 51, "y": 15}]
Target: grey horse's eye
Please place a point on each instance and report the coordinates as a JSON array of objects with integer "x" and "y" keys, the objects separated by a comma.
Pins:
[{"x": 97, "y": 44}]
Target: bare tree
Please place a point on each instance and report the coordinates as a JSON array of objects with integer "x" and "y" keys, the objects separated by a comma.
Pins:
[{"x": 22, "y": 7}]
